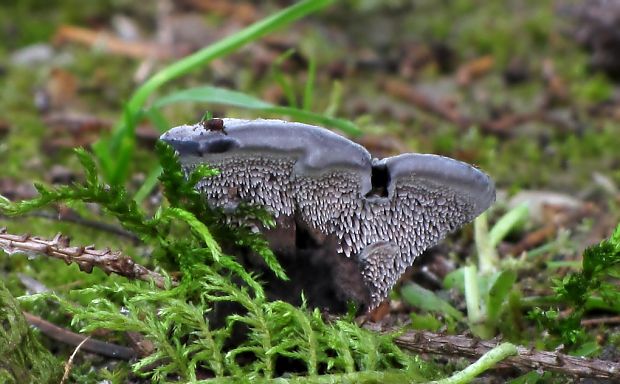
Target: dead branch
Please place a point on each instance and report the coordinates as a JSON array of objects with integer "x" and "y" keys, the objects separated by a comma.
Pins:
[
  {"x": 501, "y": 126},
  {"x": 244, "y": 12},
  {"x": 111, "y": 43},
  {"x": 67, "y": 337},
  {"x": 85, "y": 257},
  {"x": 600, "y": 321},
  {"x": 402, "y": 91},
  {"x": 527, "y": 359},
  {"x": 549, "y": 230}
]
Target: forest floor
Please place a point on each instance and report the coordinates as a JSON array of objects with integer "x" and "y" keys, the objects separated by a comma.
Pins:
[{"x": 521, "y": 89}]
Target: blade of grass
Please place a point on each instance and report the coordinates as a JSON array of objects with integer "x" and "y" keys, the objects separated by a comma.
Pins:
[
  {"x": 422, "y": 298},
  {"x": 508, "y": 222},
  {"x": 472, "y": 294},
  {"x": 160, "y": 122},
  {"x": 214, "y": 95},
  {"x": 222, "y": 96},
  {"x": 148, "y": 185},
  {"x": 117, "y": 151},
  {"x": 309, "y": 89},
  {"x": 499, "y": 288},
  {"x": 285, "y": 83},
  {"x": 345, "y": 126},
  {"x": 335, "y": 97},
  {"x": 476, "y": 307},
  {"x": 487, "y": 255}
]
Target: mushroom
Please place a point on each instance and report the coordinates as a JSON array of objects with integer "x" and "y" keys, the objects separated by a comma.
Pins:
[{"x": 383, "y": 212}]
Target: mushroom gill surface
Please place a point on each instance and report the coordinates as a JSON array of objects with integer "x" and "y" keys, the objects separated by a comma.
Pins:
[{"x": 384, "y": 213}]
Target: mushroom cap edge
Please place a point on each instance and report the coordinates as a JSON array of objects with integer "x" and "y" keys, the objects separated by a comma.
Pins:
[
  {"x": 464, "y": 179},
  {"x": 317, "y": 149}
]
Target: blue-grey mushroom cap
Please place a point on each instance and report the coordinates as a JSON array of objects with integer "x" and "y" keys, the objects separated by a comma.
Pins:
[
  {"x": 383, "y": 212},
  {"x": 316, "y": 148},
  {"x": 444, "y": 172}
]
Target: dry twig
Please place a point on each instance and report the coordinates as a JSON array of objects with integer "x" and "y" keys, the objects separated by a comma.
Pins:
[
  {"x": 600, "y": 321},
  {"x": 88, "y": 344},
  {"x": 111, "y": 43},
  {"x": 244, "y": 12},
  {"x": 85, "y": 257},
  {"x": 502, "y": 126},
  {"x": 402, "y": 91},
  {"x": 528, "y": 359},
  {"x": 539, "y": 236}
]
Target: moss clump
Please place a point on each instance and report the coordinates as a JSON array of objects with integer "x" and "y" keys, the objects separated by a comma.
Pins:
[{"x": 22, "y": 358}]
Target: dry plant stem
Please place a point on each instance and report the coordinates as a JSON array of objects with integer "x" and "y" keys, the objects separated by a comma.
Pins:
[
  {"x": 244, "y": 12},
  {"x": 501, "y": 127},
  {"x": 527, "y": 359},
  {"x": 423, "y": 102},
  {"x": 541, "y": 235},
  {"x": 92, "y": 345},
  {"x": 111, "y": 43},
  {"x": 85, "y": 257},
  {"x": 600, "y": 321},
  {"x": 69, "y": 363}
]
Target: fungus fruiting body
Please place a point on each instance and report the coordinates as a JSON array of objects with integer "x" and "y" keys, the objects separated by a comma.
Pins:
[{"x": 382, "y": 212}]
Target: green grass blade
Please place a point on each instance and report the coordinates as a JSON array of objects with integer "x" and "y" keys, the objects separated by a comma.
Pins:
[
  {"x": 213, "y": 95},
  {"x": 508, "y": 222},
  {"x": 309, "y": 88},
  {"x": 488, "y": 260},
  {"x": 223, "y": 96},
  {"x": 149, "y": 184},
  {"x": 422, "y": 298},
  {"x": 121, "y": 144},
  {"x": 345, "y": 126},
  {"x": 499, "y": 288}
]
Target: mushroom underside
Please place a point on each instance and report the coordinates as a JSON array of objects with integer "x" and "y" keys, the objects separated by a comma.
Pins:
[{"x": 382, "y": 236}]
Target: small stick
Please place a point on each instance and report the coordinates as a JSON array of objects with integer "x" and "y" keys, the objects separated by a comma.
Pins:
[
  {"x": 527, "y": 359},
  {"x": 425, "y": 103},
  {"x": 90, "y": 345},
  {"x": 85, "y": 257},
  {"x": 244, "y": 12},
  {"x": 600, "y": 321},
  {"x": 111, "y": 43}
]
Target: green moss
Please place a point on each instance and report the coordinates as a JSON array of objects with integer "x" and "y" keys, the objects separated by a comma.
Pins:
[
  {"x": 22, "y": 358},
  {"x": 501, "y": 29},
  {"x": 185, "y": 340}
]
